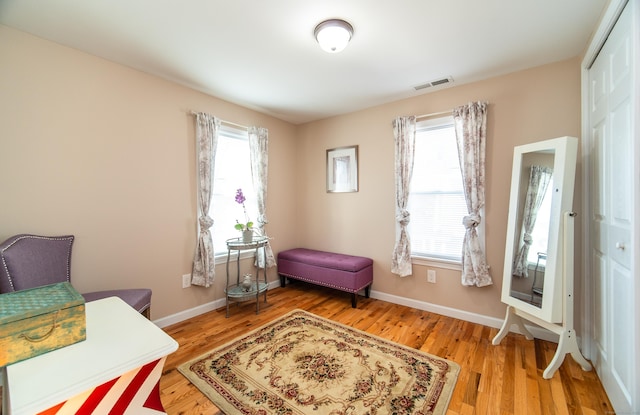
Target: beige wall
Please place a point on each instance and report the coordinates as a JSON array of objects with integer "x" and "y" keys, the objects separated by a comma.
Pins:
[
  {"x": 104, "y": 152},
  {"x": 524, "y": 107}
]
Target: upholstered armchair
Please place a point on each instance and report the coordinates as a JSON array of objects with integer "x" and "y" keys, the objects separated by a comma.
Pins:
[{"x": 28, "y": 261}]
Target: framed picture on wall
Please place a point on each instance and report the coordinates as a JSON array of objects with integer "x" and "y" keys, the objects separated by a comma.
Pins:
[{"x": 342, "y": 169}]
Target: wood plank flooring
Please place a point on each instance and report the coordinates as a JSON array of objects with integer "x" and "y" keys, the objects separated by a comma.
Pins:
[{"x": 504, "y": 379}]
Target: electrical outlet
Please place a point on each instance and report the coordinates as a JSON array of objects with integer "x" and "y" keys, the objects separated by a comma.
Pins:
[
  {"x": 431, "y": 276},
  {"x": 186, "y": 281}
]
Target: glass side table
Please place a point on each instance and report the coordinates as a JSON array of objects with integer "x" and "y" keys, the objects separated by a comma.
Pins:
[{"x": 235, "y": 291}]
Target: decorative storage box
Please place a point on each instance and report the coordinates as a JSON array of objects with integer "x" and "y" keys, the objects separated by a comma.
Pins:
[{"x": 38, "y": 320}]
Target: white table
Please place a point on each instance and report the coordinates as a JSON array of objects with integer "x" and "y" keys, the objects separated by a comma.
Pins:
[{"x": 118, "y": 365}]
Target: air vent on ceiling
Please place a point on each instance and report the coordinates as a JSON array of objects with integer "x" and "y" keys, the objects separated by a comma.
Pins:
[{"x": 437, "y": 82}]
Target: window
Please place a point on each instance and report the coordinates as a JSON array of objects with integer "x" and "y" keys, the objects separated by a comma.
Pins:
[
  {"x": 232, "y": 172},
  {"x": 436, "y": 201}
]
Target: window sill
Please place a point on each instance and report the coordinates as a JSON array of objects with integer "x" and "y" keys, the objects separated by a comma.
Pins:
[{"x": 437, "y": 262}]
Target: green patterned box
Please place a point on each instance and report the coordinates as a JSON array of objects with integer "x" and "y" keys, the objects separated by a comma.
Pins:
[{"x": 39, "y": 320}]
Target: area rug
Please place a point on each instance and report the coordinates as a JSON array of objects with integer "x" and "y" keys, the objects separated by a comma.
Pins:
[{"x": 301, "y": 363}]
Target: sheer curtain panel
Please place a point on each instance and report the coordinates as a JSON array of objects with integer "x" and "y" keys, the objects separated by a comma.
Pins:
[
  {"x": 258, "y": 148},
  {"x": 471, "y": 131},
  {"x": 203, "y": 271},
  {"x": 404, "y": 131}
]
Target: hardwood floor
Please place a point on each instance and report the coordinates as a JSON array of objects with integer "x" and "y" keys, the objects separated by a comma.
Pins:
[{"x": 504, "y": 379}]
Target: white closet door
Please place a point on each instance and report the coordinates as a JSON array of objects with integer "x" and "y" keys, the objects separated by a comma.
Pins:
[{"x": 611, "y": 104}]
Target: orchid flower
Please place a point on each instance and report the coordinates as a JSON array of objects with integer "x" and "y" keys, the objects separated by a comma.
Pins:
[{"x": 240, "y": 200}]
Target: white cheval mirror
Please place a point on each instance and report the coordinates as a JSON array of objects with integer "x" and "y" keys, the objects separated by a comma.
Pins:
[
  {"x": 537, "y": 282},
  {"x": 542, "y": 182}
]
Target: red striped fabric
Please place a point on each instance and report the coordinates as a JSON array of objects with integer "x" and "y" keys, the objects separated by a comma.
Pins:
[{"x": 134, "y": 392}]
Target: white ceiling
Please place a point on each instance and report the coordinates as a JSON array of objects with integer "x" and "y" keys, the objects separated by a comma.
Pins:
[{"x": 261, "y": 53}]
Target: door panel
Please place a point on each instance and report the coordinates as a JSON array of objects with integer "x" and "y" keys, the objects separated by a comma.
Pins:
[
  {"x": 621, "y": 160},
  {"x": 621, "y": 335},
  {"x": 600, "y": 322}
]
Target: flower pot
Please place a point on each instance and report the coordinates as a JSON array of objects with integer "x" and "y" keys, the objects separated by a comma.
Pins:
[{"x": 247, "y": 236}]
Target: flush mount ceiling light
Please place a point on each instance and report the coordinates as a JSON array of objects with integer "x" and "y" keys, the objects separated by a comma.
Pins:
[{"x": 333, "y": 35}]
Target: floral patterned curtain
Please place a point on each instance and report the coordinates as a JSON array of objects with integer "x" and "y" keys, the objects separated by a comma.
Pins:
[
  {"x": 258, "y": 146},
  {"x": 404, "y": 131},
  {"x": 207, "y": 127},
  {"x": 539, "y": 179},
  {"x": 471, "y": 131}
]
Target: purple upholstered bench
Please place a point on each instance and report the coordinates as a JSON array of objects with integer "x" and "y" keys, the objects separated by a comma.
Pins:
[{"x": 342, "y": 272}]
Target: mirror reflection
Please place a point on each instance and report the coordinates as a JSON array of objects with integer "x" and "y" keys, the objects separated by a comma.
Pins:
[{"x": 534, "y": 212}]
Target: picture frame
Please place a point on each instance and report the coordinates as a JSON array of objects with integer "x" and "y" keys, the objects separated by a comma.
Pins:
[{"x": 342, "y": 169}]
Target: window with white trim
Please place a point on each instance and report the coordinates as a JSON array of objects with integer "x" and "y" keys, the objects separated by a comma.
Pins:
[
  {"x": 436, "y": 200},
  {"x": 232, "y": 172}
]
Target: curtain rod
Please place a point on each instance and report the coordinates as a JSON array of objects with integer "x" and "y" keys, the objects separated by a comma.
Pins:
[
  {"x": 244, "y": 127},
  {"x": 437, "y": 114},
  {"x": 434, "y": 114}
]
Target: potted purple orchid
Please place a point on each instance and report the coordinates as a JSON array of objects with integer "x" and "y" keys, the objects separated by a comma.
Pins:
[{"x": 247, "y": 227}]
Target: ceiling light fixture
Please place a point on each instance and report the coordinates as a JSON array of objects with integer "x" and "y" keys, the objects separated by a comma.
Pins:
[{"x": 333, "y": 35}]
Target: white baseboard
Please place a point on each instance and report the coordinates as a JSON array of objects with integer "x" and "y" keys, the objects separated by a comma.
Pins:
[
  {"x": 537, "y": 331},
  {"x": 201, "y": 309}
]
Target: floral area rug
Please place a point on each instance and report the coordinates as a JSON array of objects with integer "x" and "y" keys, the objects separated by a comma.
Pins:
[{"x": 305, "y": 364}]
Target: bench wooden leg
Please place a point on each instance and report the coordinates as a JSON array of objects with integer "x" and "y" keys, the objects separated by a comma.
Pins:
[
  {"x": 366, "y": 291},
  {"x": 282, "y": 280},
  {"x": 354, "y": 300}
]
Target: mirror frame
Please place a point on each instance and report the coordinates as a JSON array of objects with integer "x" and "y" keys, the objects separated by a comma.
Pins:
[{"x": 564, "y": 168}]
